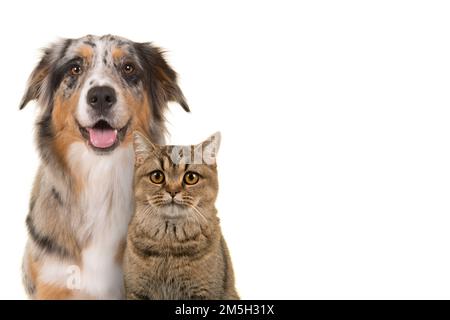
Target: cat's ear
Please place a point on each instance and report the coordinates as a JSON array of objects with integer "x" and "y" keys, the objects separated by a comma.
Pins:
[
  {"x": 143, "y": 147},
  {"x": 209, "y": 148}
]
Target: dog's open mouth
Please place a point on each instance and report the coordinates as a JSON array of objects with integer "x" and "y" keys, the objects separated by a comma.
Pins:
[{"x": 102, "y": 136}]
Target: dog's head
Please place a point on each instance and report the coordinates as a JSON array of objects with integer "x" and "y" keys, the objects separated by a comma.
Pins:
[{"x": 99, "y": 90}]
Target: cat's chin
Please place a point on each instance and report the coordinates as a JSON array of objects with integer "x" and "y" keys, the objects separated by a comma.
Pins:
[{"x": 174, "y": 211}]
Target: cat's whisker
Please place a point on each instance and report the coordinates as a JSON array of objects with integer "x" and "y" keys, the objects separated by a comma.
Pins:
[
  {"x": 159, "y": 203},
  {"x": 150, "y": 199},
  {"x": 197, "y": 211},
  {"x": 150, "y": 210},
  {"x": 195, "y": 218}
]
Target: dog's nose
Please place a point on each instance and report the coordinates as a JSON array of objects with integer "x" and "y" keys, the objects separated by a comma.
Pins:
[{"x": 101, "y": 98}]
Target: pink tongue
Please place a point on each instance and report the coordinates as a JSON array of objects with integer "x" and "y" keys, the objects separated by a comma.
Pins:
[{"x": 102, "y": 138}]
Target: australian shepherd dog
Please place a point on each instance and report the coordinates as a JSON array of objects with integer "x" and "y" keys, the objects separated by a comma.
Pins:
[{"x": 92, "y": 93}]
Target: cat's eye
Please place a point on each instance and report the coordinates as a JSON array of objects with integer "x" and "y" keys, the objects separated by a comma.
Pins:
[
  {"x": 157, "y": 177},
  {"x": 191, "y": 178}
]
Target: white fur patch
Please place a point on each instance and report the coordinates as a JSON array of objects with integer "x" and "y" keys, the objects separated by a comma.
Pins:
[
  {"x": 98, "y": 74},
  {"x": 53, "y": 271},
  {"x": 107, "y": 205}
]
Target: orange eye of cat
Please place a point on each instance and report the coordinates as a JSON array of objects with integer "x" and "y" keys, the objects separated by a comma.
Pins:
[
  {"x": 191, "y": 178},
  {"x": 157, "y": 177}
]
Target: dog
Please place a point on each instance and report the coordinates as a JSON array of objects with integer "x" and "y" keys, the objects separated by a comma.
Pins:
[{"x": 92, "y": 92}]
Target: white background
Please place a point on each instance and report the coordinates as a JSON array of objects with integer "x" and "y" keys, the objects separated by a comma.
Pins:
[{"x": 335, "y": 157}]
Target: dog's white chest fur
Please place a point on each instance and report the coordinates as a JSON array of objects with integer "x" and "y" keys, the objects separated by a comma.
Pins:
[{"x": 107, "y": 205}]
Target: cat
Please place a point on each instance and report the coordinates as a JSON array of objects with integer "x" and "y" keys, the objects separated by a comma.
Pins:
[{"x": 175, "y": 248}]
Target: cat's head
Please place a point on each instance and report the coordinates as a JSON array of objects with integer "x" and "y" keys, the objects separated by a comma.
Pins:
[{"x": 176, "y": 182}]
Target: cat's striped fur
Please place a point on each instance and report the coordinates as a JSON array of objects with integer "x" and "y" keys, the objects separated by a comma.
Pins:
[{"x": 175, "y": 248}]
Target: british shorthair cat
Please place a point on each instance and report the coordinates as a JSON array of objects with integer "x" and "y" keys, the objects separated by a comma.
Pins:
[{"x": 175, "y": 248}]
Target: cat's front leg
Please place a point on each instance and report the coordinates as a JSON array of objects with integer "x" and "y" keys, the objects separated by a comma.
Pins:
[{"x": 138, "y": 295}]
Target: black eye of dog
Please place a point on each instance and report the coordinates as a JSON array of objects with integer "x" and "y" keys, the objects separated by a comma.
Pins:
[
  {"x": 157, "y": 177},
  {"x": 76, "y": 70},
  {"x": 191, "y": 178},
  {"x": 128, "y": 68}
]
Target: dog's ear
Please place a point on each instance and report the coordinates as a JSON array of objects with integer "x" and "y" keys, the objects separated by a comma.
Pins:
[
  {"x": 36, "y": 80},
  {"x": 40, "y": 86},
  {"x": 160, "y": 79}
]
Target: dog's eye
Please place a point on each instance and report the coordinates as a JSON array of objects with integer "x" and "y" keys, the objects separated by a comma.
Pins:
[
  {"x": 157, "y": 177},
  {"x": 191, "y": 178},
  {"x": 128, "y": 68},
  {"x": 76, "y": 70}
]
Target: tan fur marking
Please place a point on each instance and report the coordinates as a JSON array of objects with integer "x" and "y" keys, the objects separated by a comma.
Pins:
[
  {"x": 140, "y": 113},
  {"x": 163, "y": 75},
  {"x": 33, "y": 268},
  {"x": 117, "y": 53},
  {"x": 86, "y": 52},
  {"x": 45, "y": 291},
  {"x": 64, "y": 123}
]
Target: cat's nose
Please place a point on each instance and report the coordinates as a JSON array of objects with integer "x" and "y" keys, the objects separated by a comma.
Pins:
[{"x": 173, "y": 193}]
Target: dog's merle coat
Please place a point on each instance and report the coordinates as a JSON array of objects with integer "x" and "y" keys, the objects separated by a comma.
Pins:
[{"x": 82, "y": 196}]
